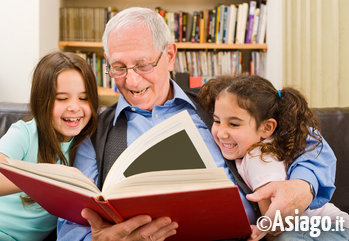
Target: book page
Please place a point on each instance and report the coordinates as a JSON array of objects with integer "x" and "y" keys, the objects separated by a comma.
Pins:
[
  {"x": 157, "y": 182},
  {"x": 57, "y": 172},
  {"x": 173, "y": 144}
]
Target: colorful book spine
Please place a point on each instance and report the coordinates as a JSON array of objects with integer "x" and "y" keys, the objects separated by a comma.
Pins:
[{"x": 250, "y": 21}]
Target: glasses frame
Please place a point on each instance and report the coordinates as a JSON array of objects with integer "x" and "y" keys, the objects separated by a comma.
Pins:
[{"x": 109, "y": 68}]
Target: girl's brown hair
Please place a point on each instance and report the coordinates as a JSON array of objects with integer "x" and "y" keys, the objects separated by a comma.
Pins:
[
  {"x": 295, "y": 120},
  {"x": 42, "y": 98}
]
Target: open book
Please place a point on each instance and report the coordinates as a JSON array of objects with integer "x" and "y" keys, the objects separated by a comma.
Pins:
[{"x": 204, "y": 202}]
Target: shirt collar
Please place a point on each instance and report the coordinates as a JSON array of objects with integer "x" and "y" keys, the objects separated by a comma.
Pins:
[{"x": 178, "y": 94}]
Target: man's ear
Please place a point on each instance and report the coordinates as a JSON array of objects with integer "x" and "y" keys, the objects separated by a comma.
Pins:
[
  {"x": 268, "y": 127},
  {"x": 171, "y": 51}
]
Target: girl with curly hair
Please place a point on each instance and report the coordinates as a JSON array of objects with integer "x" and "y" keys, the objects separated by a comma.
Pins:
[{"x": 264, "y": 130}]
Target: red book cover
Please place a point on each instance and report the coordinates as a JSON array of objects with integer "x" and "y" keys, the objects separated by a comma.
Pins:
[
  {"x": 206, "y": 214},
  {"x": 149, "y": 177}
]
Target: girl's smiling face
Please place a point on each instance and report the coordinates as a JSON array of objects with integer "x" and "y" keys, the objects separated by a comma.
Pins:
[
  {"x": 234, "y": 129},
  {"x": 71, "y": 109}
]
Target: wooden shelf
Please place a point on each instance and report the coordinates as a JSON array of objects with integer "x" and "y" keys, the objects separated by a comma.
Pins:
[
  {"x": 78, "y": 44},
  {"x": 107, "y": 91},
  {"x": 107, "y": 96},
  {"x": 184, "y": 45}
]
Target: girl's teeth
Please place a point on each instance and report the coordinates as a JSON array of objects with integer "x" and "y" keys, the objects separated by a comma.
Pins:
[
  {"x": 227, "y": 145},
  {"x": 71, "y": 119}
]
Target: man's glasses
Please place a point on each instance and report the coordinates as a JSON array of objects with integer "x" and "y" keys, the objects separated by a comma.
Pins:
[{"x": 121, "y": 72}]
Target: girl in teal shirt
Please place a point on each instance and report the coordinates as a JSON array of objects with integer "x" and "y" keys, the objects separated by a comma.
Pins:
[{"x": 63, "y": 104}]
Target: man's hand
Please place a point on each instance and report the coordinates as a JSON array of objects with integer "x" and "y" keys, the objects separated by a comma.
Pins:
[
  {"x": 285, "y": 196},
  {"x": 137, "y": 228}
]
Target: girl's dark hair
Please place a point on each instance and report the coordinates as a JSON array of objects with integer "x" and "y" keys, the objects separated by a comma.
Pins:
[
  {"x": 42, "y": 98},
  {"x": 295, "y": 120}
]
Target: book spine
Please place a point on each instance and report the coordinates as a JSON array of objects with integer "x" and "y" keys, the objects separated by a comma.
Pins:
[
  {"x": 62, "y": 24},
  {"x": 232, "y": 24},
  {"x": 193, "y": 29},
  {"x": 224, "y": 25},
  {"x": 109, "y": 210},
  {"x": 227, "y": 26},
  {"x": 202, "y": 28},
  {"x": 213, "y": 26},
  {"x": 255, "y": 26},
  {"x": 262, "y": 24},
  {"x": 209, "y": 26},
  {"x": 250, "y": 21},
  {"x": 197, "y": 28},
  {"x": 176, "y": 27},
  {"x": 218, "y": 23},
  {"x": 184, "y": 26},
  {"x": 239, "y": 25},
  {"x": 180, "y": 30}
]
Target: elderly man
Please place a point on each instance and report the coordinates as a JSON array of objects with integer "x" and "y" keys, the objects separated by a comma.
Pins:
[{"x": 140, "y": 55}]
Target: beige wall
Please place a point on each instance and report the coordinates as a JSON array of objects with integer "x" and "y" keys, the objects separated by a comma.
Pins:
[
  {"x": 29, "y": 29},
  {"x": 316, "y": 52}
]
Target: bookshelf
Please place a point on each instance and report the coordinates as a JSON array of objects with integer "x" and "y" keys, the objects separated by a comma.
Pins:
[
  {"x": 170, "y": 6},
  {"x": 183, "y": 45},
  {"x": 107, "y": 96}
]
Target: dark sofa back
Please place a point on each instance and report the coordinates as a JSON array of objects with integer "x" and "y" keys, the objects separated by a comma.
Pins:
[
  {"x": 10, "y": 113},
  {"x": 335, "y": 130}
]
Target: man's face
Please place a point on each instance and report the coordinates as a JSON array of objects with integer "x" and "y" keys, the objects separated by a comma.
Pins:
[{"x": 133, "y": 45}]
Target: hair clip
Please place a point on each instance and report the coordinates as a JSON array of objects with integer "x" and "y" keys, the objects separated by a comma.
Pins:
[{"x": 279, "y": 93}]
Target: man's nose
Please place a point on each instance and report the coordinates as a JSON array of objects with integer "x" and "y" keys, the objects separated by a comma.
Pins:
[{"x": 132, "y": 78}]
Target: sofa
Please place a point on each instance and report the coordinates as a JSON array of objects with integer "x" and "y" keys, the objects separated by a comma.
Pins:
[{"x": 335, "y": 129}]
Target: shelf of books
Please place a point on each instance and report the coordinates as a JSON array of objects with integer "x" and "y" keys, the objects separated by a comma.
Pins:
[
  {"x": 226, "y": 39},
  {"x": 180, "y": 45}
]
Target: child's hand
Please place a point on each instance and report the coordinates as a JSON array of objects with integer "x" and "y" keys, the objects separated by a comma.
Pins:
[
  {"x": 6, "y": 186},
  {"x": 256, "y": 234},
  {"x": 3, "y": 158}
]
